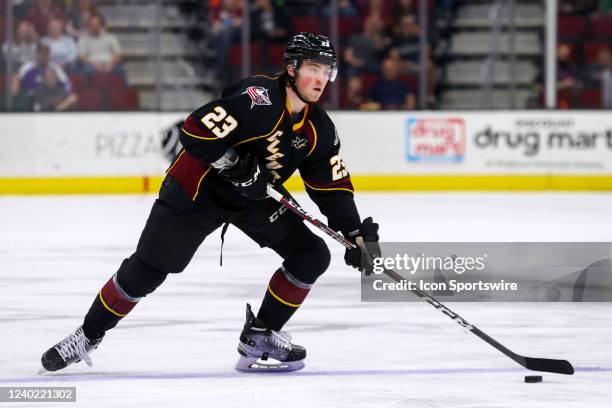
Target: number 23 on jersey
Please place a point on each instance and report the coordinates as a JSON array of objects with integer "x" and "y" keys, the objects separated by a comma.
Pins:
[
  {"x": 219, "y": 122},
  {"x": 339, "y": 170}
]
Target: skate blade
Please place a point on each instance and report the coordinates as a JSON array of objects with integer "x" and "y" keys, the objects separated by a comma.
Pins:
[
  {"x": 42, "y": 371},
  {"x": 257, "y": 365}
]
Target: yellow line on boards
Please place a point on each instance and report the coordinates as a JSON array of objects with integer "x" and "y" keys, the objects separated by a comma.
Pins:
[
  {"x": 472, "y": 183},
  {"x": 379, "y": 182},
  {"x": 80, "y": 185}
]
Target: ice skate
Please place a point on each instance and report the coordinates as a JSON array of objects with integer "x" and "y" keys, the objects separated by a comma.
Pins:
[
  {"x": 72, "y": 349},
  {"x": 266, "y": 350}
]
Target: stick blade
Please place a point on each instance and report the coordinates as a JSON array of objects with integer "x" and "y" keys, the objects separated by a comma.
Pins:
[{"x": 549, "y": 365}]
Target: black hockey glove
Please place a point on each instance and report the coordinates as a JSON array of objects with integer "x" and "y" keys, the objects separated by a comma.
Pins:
[
  {"x": 367, "y": 233},
  {"x": 248, "y": 177}
]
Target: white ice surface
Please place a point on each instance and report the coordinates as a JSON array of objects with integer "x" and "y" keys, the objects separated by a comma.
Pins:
[{"x": 177, "y": 348}]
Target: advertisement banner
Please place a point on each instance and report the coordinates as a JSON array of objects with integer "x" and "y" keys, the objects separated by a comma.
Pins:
[
  {"x": 508, "y": 142},
  {"x": 63, "y": 145},
  {"x": 376, "y": 146}
]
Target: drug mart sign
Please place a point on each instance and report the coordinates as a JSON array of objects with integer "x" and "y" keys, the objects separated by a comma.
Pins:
[
  {"x": 435, "y": 139},
  {"x": 510, "y": 142}
]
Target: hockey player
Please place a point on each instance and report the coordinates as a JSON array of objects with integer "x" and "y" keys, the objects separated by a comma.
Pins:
[{"x": 260, "y": 131}]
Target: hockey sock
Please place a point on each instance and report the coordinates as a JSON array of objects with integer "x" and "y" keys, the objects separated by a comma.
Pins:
[
  {"x": 134, "y": 280},
  {"x": 110, "y": 306},
  {"x": 284, "y": 296}
]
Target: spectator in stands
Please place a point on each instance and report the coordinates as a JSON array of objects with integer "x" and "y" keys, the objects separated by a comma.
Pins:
[
  {"x": 406, "y": 48},
  {"x": 567, "y": 72},
  {"x": 63, "y": 47},
  {"x": 99, "y": 51},
  {"x": 406, "y": 43},
  {"x": 31, "y": 75},
  {"x": 595, "y": 71},
  {"x": 403, "y": 8},
  {"x": 23, "y": 48},
  {"x": 363, "y": 50},
  {"x": 21, "y": 101},
  {"x": 52, "y": 95},
  {"x": 78, "y": 16},
  {"x": 226, "y": 23},
  {"x": 40, "y": 14},
  {"x": 269, "y": 23},
  {"x": 227, "y": 20},
  {"x": 354, "y": 97},
  {"x": 390, "y": 92},
  {"x": 381, "y": 9}
]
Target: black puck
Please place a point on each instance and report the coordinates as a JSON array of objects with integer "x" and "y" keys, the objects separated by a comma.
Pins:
[{"x": 533, "y": 378}]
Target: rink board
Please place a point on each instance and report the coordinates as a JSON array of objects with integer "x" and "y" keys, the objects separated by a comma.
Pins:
[{"x": 385, "y": 151}]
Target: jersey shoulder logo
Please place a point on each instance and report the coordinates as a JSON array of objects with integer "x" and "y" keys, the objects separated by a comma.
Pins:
[{"x": 259, "y": 95}]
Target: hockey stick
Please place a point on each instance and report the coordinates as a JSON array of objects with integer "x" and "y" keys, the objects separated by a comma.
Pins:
[{"x": 531, "y": 363}]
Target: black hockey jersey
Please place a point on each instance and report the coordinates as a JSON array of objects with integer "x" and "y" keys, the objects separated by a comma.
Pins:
[{"x": 254, "y": 116}]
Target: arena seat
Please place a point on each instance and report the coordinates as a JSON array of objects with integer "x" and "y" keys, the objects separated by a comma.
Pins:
[
  {"x": 571, "y": 27},
  {"x": 235, "y": 55},
  {"x": 367, "y": 81},
  {"x": 311, "y": 24},
  {"x": 276, "y": 55},
  {"x": 590, "y": 98},
  {"x": 90, "y": 100},
  {"x": 123, "y": 99},
  {"x": 2, "y": 29},
  {"x": 412, "y": 81},
  {"x": 107, "y": 81},
  {"x": 591, "y": 49},
  {"x": 347, "y": 26},
  {"x": 78, "y": 81},
  {"x": 601, "y": 27}
]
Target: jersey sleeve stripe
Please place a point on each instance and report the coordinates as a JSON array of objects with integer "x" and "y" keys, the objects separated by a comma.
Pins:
[
  {"x": 198, "y": 137},
  {"x": 199, "y": 183},
  {"x": 191, "y": 128},
  {"x": 190, "y": 173},
  {"x": 342, "y": 186},
  {"x": 175, "y": 161}
]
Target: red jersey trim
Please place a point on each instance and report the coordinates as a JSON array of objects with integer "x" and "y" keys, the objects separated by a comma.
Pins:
[
  {"x": 191, "y": 128},
  {"x": 190, "y": 172}
]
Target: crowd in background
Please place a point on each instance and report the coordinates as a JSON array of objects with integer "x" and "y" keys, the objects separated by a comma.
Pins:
[
  {"x": 379, "y": 50},
  {"x": 52, "y": 41},
  {"x": 584, "y": 54}
]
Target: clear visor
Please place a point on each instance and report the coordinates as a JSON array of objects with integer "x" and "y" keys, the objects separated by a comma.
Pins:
[{"x": 319, "y": 71}]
